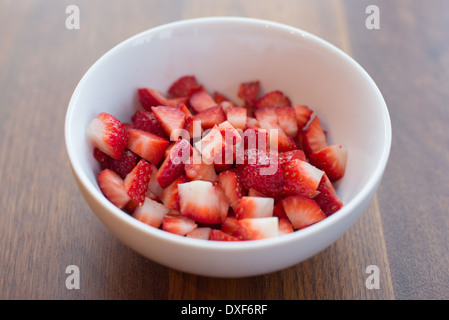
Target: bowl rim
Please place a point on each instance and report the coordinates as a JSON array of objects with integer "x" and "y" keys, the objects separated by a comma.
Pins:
[{"x": 343, "y": 213}]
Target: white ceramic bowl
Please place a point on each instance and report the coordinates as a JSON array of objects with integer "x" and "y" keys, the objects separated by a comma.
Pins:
[{"x": 222, "y": 52}]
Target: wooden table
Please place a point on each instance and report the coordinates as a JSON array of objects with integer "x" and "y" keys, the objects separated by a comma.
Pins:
[{"x": 45, "y": 225}]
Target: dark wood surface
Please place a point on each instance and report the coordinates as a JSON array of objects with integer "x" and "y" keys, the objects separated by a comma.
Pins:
[{"x": 45, "y": 225}]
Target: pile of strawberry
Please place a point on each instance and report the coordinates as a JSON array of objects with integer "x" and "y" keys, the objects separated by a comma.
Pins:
[{"x": 199, "y": 165}]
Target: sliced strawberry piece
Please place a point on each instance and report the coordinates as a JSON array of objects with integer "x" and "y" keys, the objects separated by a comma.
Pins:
[
  {"x": 183, "y": 86},
  {"x": 108, "y": 134},
  {"x": 286, "y": 157},
  {"x": 202, "y": 233},
  {"x": 301, "y": 178},
  {"x": 267, "y": 117},
  {"x": 218, "y": 235},
  {"x": 200, "y": 201},
  {"x": 263, "y": 173},
  {"x": 285, "y": 226},
  {"x": 154, "y": 188},
  {"x": 232, "y": 187},
  {"x": 152, "y": 98},
  {"x": 151, "y": 212},
  {"x": 327, "y": 197},
  {"x": 102, "y": 158},
  {"x": 197, "y": 169},
  {"x": 284, "y": 142},
  {"x": 302, "y": 211},
  {"x": 171, "y": 119},
  {"x": 113, "y": 188},
  {"x": 303, "y": 115},
  {"x": 193, "y": 128},
  {"x": 136, "y": 182},
  {"x": 229, "y": 225},
  {"x": 220, "y": 98},
  {"x": 182, "y": 107},
  {"x": 170, "y": 195},
  {"x": 178, "y": 224},
  {"x": 278, "y": 210},
  {"x": 287, "y": 120},
  {"x": 249, "y": 92},
  {"x": 201, "y": 100},
  {"x": 147, "y": 145},
  {"x": 211, "y": 146},
  {"x": 257, "y": 228},
  {"x": 254, "y": 207},
  {"x": 173, "y": 165},
  {"x": 210, "y": 117},
  {"x": 332, "y": 160},
  {"x": 251, "y": 122},
  {"x": 146, "y": 120},
  {"x": 254, "y": 193},
  {"x": 122, "y": 167},
  {"x": 313, "y": 137},
  {"x": 237, "y": 117},
  {"x": 274, "y": 98}
]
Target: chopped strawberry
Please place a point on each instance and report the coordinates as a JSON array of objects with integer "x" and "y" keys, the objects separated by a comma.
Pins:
[
  {"x": 108, "y": 134},
  {"x": 170, "y": 195},
  {"x": 220, "y": 98},
  {"x": 122, "y": 167},
  {"x": 286, "y": 157},
  {"x": 254, "y": 207},
  {"x": 229, "y": 225},
  {"x": 136, "y": 182},
  {"x": 197, "y": 169},
  {"x": 182, "y": 107},
  {"x": 232, "y": 187},
  {"x": 171, "y": 119},
  {"x": 146, "y": 120},
  {"x": 151, "y": 212},
  {"x": 332, "y": 160},
  {"x": 193, "y": 128},
  {"x": 173, "y": 165},
  {"x": 285, "y": 226},
  {"x": 284, "y": 142},
  {"x": 218, "y": 235},
  {"x": 178, "y": 224},
  {"x": 274, "y": 98},
  {"x": 201, "y": 100},
  {"x": 113, "y": 188},
  {"x": 102, "y": 158},
  {"x": 251, "y": 122},
  {"x": 302, "y": 211},
  {"x": 287, "y": 120},
  {"x": 154, "y": 188},
  {"x": 202, "y": 233},
  {"x": 202, "y": 202},
  {"x": 301, "y": 178},
  {"x": 147, "y": 145},
  {"x": 211, "y": 146},
  {"x": 183, "y": 86},
  {"x": 210, "y": 117},
  {"x": 257, "y": 228},
  {"x": 303, "y": 115},
  {"x": 313, "y": 137},
  {"x": 263, "y": 173},
  {"x": 152, "y": 98},
  {"x": 267, "y": 117},
  {"x": 237, "y": 117},
  {"x": 327, "y": 197},
  {"x": 249, "y": 92},
  {"x": 278, "y": 210},
  {"x": 254, "y": 193}
]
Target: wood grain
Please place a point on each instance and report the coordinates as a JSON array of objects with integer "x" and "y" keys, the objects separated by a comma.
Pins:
[{"x": 46, "y": 226}]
